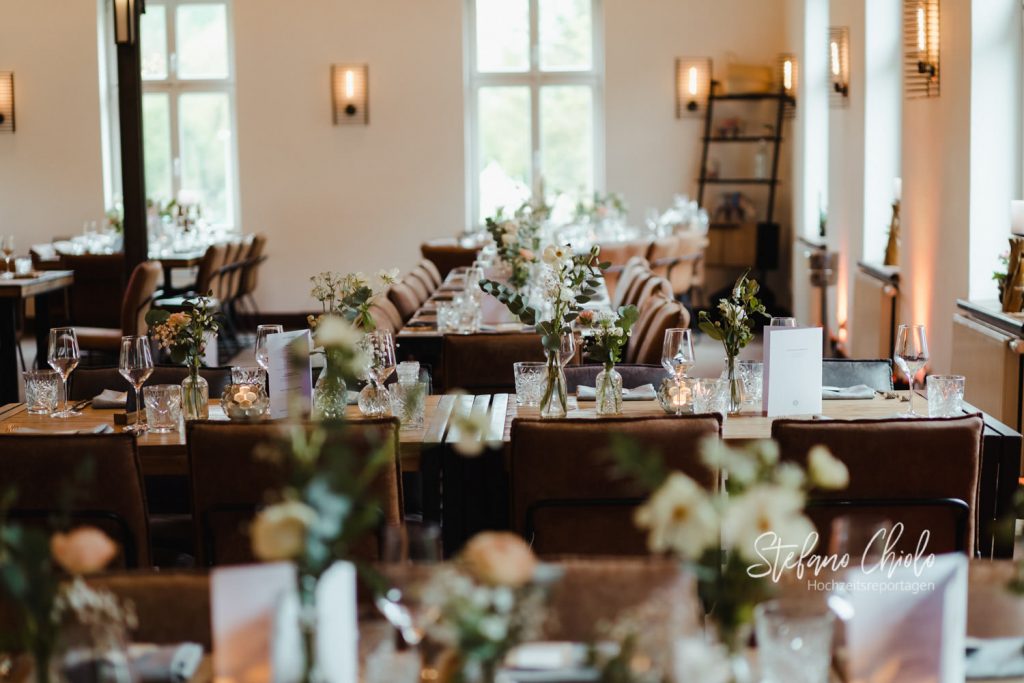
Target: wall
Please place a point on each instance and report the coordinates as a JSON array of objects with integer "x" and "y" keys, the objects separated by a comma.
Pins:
[{"x": 51, "y": 175}]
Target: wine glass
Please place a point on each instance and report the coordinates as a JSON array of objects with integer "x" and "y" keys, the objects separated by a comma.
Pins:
[
  {"x": 381, "y": 349},
  {"x": 677, "y": 352},
  {"x": 911, "y": 354},
  {"x": 262, "y": 354},
  {"x": 136, "y": 365},
  {"x": 63, "y": 357},
  {"x": 418, "y": 548},
  {"x": 782, "y": 322},
  {"x": 567, "y": 349},
  {"x": 7, "y": 246}
]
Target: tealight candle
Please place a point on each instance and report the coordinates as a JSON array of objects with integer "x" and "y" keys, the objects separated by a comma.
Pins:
[{"x": 1017, "y": 217}]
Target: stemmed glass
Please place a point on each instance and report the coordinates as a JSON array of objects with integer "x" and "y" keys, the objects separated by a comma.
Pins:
[
  {"x": 136, "y": 365},
  {"x": 403, "y": 605},
  {"x": 911, "y": 354},
  {"x": 380, "y": 346},
  {"x": 7, "y": 246},
  {"x": 262, "y": 353},
  {"x": 677, "y": 352},
  {"x": 782, "y": 322},
  {"x": 63, "y": 357},
  {"x": 567, "y": 349}
]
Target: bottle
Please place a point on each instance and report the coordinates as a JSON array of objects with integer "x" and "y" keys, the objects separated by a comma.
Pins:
[{"x": 761, "y": 160}]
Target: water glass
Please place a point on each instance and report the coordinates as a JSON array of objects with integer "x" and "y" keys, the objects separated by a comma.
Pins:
[
  {"x": 752, "y": 376},
  {"x": 794, "y": 641},
  {"x": 249, "y": 375},
  {"x": 41, "y": 391},
  {"x": 408, "y": 372},
  {"x": 782, "y": 322},
  {"x": 446, "y": 317},
  {"x": 529, "y": 382},
  {"x": 711, "y": 396},
  {"x": 163, "y": 407},
  {"x": 467, "y": 316},
  {"x": 473, "y": 277},
  {"x": 945, "y": 395},
  {"x": 261, "y": 351},
  {"x": 408, "y": 403}
]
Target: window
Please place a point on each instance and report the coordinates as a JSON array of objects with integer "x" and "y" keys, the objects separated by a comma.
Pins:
[
  {"x": 188, "y": 105},
  {"x": 533, "y": 101}
]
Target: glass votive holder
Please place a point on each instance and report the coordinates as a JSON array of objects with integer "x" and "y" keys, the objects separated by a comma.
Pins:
[
  {"x": 752, "y": 376},
  {"x": 794, "y": 640},
  {"x": 408, "y": 372},
  {"x": 163, "y": 407},
  {"x": 22, "y": 266},
  {"x": 711, "y": 396},
  {"x": 945, "y": 395},
  {"x": 467, "y": 316},
  {"x": 676, "y": 396},
  {"x": 529, "y": 376},
  {"x": 244, "y": 401},
  {"x": 249, "y": 375},
  {"x": 408, "y": 403},
  {"x": 446, "y": 317},
  {"x": 41, "y": 388}
]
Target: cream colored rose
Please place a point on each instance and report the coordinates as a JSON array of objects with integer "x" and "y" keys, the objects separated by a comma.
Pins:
[
  {"x": 279, "y": 531},
  {"x": 825, "y": 470},
  {"x": 85, "y": 550},
  {"x": 333, "y": 332},
  {"x": 550, "y": 254},
  {"x": 680, "y": 518},
  {"x": 499, "y": 558},
  {"x": 765, "y": 510}
]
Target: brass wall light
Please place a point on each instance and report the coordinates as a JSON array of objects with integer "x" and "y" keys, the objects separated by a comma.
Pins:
[
  {"x": 839, "y": 64},
  {"x": 6, "y": 101},
  {"x": 921, "y": 47},
  {"x": 786, "y": 74},
  {"x": 350, "y": 89},
  {"x": 693, "y": 85}
]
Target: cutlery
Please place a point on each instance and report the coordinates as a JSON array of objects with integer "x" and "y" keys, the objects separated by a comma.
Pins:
[{"x": 82, "y": 404}]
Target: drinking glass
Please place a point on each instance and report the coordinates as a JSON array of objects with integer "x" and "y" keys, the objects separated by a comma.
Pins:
[
  {"x": 248, "y": 375},
  {"x": 473, "y": 277},
  {"x": 945, "y": 395},
  {"x": 911, "y": 355},
  {"x": 40, "y": 391},
  {"x": 677, "y": 351},
  {"x": 262, "y": 354},
  {"x": 408, "y": 403},
  {"x": 711, "y": 396},
  {"x": 136, "y": 365},
  {"x": 163, "y": 407},
  {"x": 782, "y": 322},
  {"x": 63, "y": 357},
  {"x": 7, "y": 246},
  {"x": 529, "y": 377},
  {"x": 752, "y": 376},
  {"x": 794, "y": 640},
  {"x": 567, "y": 349},
  {"x": 380, "y": 347},
  {"x": 403, "y": 605}
]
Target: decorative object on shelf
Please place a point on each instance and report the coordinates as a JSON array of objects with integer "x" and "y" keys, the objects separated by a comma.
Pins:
[
  {"x": 693, "y": 83},
  {"x": 185, "y": 334},
  {"x": 729, "y": 128},
  {"x": 921, "y": 48},
  {"x": 892, "y": 246},
  {"x": 351, "y": 296},
  {"x": 244, "y": 401},
  {"x": 6, "y": 101},
  {"x": 839, "y": 65},
  {"x": 735, "y": 329},
  {"x": 604, "y": 340},
  {"x": 761, "y": 161},
  {"x": 350, "y": 90},
  {"x": 735, "y": 207},
  {"x": 1013, "y": 283}
]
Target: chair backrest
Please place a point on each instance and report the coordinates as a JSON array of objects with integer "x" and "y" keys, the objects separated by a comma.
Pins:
[
  {"x": 446, "y": 254},
  {"x": 99, "y": 280},
  {"x": 482, "y": 363},
  {"x": 209, "y": 266},
  {"x": 423, "y": 276},
  {"x": 902, "y": 469},
  {"x": 618, "y": 254},
  {"x": 633, "y": 375},
  {"x": 138, "y": 297},
  {"x": 87, "y": 382},
  {"x": 224, "y": 278},
  {"x": 385, "y": 311},
  {"x": 677, "y": 258},
  {"x": 658, "y": 314},
  {"x": 651, "y": 286},
  {"x": 632, "y": 284},
  {"x": 419, "y": 287},
  {"x": 252, "y": 264},
  {"x": 849, "y": 372},
  {"x": 405, "y": 299},
  {"x": 43, "y": 467},
  {"x": 230, "y": 483},
  {"x": 431, "y": 268},
  {"x": 579, "y": 505}
]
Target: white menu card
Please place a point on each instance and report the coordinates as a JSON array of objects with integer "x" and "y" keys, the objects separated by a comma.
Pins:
[
  {"x": 909, "y": 624},
  {"x": 210, "y": 356},
  {"x": 792, "y": 371},
  {"x": 285, "y": 376}
]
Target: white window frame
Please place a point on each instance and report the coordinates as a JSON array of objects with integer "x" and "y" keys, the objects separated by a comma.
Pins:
[{"x": 535, "y": 79}]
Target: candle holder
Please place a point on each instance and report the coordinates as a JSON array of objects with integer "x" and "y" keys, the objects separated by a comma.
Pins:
[
  {"x": 675, "y": 395},
  {"x": 244, "y": 402}
]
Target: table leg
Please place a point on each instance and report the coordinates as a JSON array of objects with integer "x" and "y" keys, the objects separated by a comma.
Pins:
[
  {"x": 9, "y": 367},
  {"x": 43, "y": 305}
]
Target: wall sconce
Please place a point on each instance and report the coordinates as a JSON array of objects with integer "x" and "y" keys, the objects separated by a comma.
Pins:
[
  {"x": 693, "y": 85},
  {"x": 921, "y": 47},
  {"x": 6, "y": 101},
  {"x": 126, "y": 21},
  {"x": 350, "y": 86},
  {"x": 786, "y": 74},
  {"x": 839, "y": 64}
]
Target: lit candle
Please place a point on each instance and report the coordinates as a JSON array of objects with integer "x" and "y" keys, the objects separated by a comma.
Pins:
[
  {"x": 679, "y": 395},
  {"x": 897, "y": 189},
  {"x": 693, "y": 81},
  {"x": 1017, "y": 217}
]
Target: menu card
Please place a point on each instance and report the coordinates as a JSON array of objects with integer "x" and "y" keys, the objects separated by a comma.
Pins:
[
  {"x": 909, "y": 622},
  {"x": 210, "y": 357},
  {"x": 287, "y": 377},
  {"x": 792, "y": 371}
]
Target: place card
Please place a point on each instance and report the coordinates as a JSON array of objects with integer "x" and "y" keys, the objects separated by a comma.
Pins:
[
  {"x": 286, "y": 377},
  {"x": 792, "y": 371}
]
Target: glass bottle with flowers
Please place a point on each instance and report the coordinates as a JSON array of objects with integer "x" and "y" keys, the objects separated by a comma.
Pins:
[
  {"x": 184, "y": 334},
  {"x": 517, "y": 240},
  {"x": 567, "y": 282},
  {"x": 604, "y": 339},
  {"x": 735, "y": 329}
]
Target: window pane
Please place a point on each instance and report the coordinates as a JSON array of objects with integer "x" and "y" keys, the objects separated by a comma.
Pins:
[
  {"x": 503, "y": 35},
  {"x": 566, "y": 30},
  {"x": 504, "y": 129},
  {"x": 156, "y": 135},
  {"x": 205, "y": 122},
  {"x": 202, "y": 35},
  {"x": 153, "y": 43},
  {"x": 567, "y": 139}
]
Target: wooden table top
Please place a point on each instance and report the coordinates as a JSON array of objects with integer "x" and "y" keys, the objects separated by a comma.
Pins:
[{"x": 45, "y": 281}]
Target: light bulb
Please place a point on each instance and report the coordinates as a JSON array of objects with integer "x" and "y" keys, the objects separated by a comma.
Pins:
[
  {"x": 693, "y": 81},
  {"x": 350, "y": 85},
  {"x": 834, "y": 51}
]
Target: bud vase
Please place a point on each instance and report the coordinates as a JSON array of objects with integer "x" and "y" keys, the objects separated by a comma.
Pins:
[
  {"x": 554, "y": 401},
  {"x": 195, "y": 396},
  {"x": 735, "y": 386},
  {"x": 608, "y": 392},
  {"x": 330, "y": 396}
]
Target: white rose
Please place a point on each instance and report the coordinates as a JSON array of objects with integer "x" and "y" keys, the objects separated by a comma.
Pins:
[
  {"x": 550, "y": 254},
  {"x": 680, "y": 518},
  {"x": 764, "y": 509},
  {"x": 790, "y": 475},
  {"x": 279, "y": 531},
  {"x": 335, "y": 332},
  {"x": 388, "y": 277},
  {"x": 825, "y": 470}
]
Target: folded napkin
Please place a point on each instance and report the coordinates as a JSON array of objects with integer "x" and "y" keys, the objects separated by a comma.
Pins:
[
  {"x": 860, "y": 391},
  {"x": 995, "y": 657},
  {"x": 109, "y": 398},
  {"x": 166, "y": 663},
  {"x": 641, "y": 393},
  {"x": 98, "y": 429},
  {"x": 421, "y": 323}
]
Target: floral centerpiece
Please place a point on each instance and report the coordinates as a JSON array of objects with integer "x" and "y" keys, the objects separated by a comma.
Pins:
[
  {"x": 517, "y": 240},
  {"x": 605, "y": 337},
  {"x": 603, "y": 206},
  {"x": 719, "y": 535},
  {"x": 735, "y": 329},
  {"x": 567, "y": 283},
  {"x": 344, "y": 360},
  {"x": 184, "y": 335},
  {"x": 491, "y": 599},
  {"x": 350, "y": 295}
]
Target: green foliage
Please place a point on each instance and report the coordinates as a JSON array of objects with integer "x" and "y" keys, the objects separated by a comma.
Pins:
[
  {"x": 184, "y": 334},
  {"x": 610, "y": 335},
  {"x": 735, "y": 324}
]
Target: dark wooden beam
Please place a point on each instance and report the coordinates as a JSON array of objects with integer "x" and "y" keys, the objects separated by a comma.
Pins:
[{"x": 133, "y": 174}]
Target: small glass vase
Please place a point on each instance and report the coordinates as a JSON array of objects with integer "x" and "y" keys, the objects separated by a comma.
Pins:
[
  {"x": 330, "y": 396},
  {"x": 308, "y": 622},
  {"x": 554, "y": 401},
  {"x": 195, "y": 396},
  {"x": 735, "y": 386},
  {"x": 374, "y": 400},
  {"x": 608, "y": 392},
  {"x": 92, "y": 652}
]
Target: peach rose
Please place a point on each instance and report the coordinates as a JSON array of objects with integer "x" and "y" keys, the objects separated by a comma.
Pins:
[
  {"x": 85, "y": 550},
  {"x": 499, "y": 558},
  {"x": 526, "y": 254}
]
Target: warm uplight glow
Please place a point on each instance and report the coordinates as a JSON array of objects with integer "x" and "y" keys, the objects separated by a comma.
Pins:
[
  {"x": 692, "y": 80},
  {"x": 834, "y": 53},
  {"x": 922, "y": 36},
  {"x": 787, "y": 74},
  {"x": 350, "y": 84}
]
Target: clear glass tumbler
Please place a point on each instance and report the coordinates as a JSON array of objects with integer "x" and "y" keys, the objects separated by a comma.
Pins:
[
  {"x": 794, "y": 640},
  {"x": 163, "y": 407},
  {"x": 41, "y": 389},
  {"x": 945, "y": 395},
  {"x": 529, "y": 376}
]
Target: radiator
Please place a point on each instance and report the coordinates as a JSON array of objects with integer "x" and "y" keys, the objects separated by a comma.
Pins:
[
  {"x": 989, "y": 359},
  {"x": 875, "y": 302}
]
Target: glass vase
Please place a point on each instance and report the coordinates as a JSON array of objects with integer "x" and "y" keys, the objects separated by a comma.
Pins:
[
  {"x": 374, "y": 400},
  {"x": 308, "y": 621},
  {"x": 735, "y": 386},
  {"x": 330, "y": 396},
  {"x": 195, "y": 396},
  {"x": 554, "y": 401},
  {"x": 97, "y": 653},
  {"x": 608, "y": 392}
]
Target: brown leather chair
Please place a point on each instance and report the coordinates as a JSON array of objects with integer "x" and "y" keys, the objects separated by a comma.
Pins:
[
  {"x": 43, "y": 469},
  {"x": 446, "y": 254},
  {"x": 619, "y": 254},
  {"x": 633, "y": 375},
  {"x": 251, "y": 269},
  {"x": 634, "y": 276},
  {"x": 230, "y": 483},
  {"x": 657, "y": 315},
  {"x": 433, "y": 272},
  {"x": 419, "y": 287},
  {"x": 425, "y": 278},
  {"x": 138, "y": 298},
  {"x": 679, "y": 259},
  {"x": 384, "y": 311},
  {"x": 922, "y": 472},
  {"x": 566, "y": 498},
  {"x": 90, "y": 381},
  {"x": 482, "y": 363},
  {"x": 647, "y": 287},
  {"x": 171, "y": 606},
  {"x": 99, "y": 282},
  {"x": 405, "y": 299}
]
